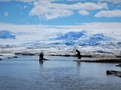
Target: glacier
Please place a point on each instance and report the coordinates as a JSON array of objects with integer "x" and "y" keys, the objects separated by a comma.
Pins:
[{"x": 67, "y": 41}]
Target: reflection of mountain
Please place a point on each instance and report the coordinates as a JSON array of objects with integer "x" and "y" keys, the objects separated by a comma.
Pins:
[{"x": 5, "y": 34}]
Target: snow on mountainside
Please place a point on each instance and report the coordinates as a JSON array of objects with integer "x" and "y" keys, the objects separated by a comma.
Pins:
[
  {"x": 5, "y": 34},
  {"x": 95, "y": 39},
  {"x": 82, "y": 38},
  {"x": 71, "y": 35}
]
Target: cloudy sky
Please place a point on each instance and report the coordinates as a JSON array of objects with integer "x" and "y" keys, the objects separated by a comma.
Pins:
[
  {"x": 39, "y": 16},
  {"x": 59, "y": 12}
]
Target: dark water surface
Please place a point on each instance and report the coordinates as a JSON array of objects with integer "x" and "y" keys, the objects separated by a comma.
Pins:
[{"x": 59, "y": 73}]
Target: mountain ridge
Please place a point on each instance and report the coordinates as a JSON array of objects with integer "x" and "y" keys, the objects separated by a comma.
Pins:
[{"x": 5, "y": 34}]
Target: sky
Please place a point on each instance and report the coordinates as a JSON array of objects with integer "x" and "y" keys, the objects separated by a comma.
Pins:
[
  {"x": 59, "y": 12},
  {"x": 44, "y": 17}
]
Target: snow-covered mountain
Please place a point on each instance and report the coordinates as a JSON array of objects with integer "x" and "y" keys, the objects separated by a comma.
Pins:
[
  {"x": 67, "y": 39},
  {"x": 71, "y": 35},
  {"x": 82, "y": 38},
  {"x": 5, "y": 34},
  {"x": 95, "y": 39}
]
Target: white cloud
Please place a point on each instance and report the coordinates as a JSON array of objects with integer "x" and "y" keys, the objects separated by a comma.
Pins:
[
  {"x": 29, "y": 32},
  {"x": 40, "y": 32},
  {"x": 28, "y": 0},
  {"x": 83, "y": 12},
  {"x": 6, "y": 14},
  {"x": 48, "y": 10},
  {"x": 113, "y": 13},
  {"x": 88, "y": 6},
  {"x": 47, "y": 14},
  {"x": 97, "y": 26}
]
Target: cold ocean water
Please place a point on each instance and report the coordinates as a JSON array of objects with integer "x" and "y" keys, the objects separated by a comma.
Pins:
[{"x": 57, "y": 73}]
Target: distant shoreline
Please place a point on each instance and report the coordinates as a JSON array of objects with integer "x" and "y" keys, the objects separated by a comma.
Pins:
[
  {"x": 102, "y": 60},
  {"x": 91, "y": 57}
]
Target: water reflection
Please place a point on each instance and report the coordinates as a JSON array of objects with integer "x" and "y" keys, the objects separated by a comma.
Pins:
[
  {"x": 78, "y": 65},
  {"x": 41, "y": 62},
  {"x": 59, "y": 73}
]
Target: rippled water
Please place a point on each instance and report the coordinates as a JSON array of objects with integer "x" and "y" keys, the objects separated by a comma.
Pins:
[{"x": 58, "y": 73}]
